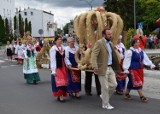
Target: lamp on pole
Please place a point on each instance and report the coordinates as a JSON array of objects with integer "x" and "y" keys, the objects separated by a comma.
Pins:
[
  {"x": 134, "y": 17},
  {"x": 89, "y": 3}
]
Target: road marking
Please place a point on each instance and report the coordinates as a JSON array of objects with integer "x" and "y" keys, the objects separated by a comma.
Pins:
[
  {"x": 9, "y": 60},
  {"x": 8, "y": 66},
  {"x": 4, "y": 66},
  {"x": 2, "y": 61},
  {"x": 14, "y": 65}
]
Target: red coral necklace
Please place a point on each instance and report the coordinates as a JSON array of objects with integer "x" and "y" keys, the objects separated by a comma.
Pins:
[{"x": 60, "y": 50}]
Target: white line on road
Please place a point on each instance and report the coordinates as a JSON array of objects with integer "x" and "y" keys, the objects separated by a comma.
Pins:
[
  {"x": 2, "y": 61},
  {"x": 7, "y": 66}
]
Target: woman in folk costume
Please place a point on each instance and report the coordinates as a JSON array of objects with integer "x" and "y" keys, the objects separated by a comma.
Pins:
[
  {"x": 59, "y": 78},
  {"x": 120, "y": 82},
  {"x": 74, "y": 76},
  {"x": 133, "y": 62},
  {"x": 29, "y": 65},
  {"x": 8, "y": 50},
  {"x": 19, "y": 52},
  {"x": 142, "y": 39}
]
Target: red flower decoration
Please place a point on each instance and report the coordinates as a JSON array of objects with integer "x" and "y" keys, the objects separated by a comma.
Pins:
[{"x": 38, "y": 48}]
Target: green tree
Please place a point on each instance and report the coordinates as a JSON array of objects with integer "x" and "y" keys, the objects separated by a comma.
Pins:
[
  {"x": 124, "y": 8},
  {"x": 26, "y": 25},
  {"x": 6, "y": 26},
  {"x": 15, "y": 27},
  {"x": 15, "y": 22},
  {"x": 58, "y": 32},
  {"x": 30, "y": 27},
  {"x": 7, "y": 34},
  {"x": 66, "y": 27},
  {"x": 130, "y": 34},
  {"x": 149, "y": 12},
  {"x": 2, "y": 30},
  {"x": 21, "y": 26}
]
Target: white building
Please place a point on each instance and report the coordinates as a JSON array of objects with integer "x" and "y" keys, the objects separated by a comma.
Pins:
[
  {"x": 42, "y": 22},
  {"x": 7, "y": 8}
]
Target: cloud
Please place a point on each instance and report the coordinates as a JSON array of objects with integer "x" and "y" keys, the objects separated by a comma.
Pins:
[
  {"x": 72, "y": 3},
  {"x": 63, "y": 10}
]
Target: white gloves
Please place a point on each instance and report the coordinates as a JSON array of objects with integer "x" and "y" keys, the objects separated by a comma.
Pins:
[
  {"x": 126, "y": 71},
  {"x": 152, "y": 66}
]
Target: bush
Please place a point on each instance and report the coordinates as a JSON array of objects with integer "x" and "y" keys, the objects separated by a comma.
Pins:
[{"x": 130, "y": 34}]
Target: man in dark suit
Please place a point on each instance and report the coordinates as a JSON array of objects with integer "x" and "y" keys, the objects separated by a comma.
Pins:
[{"x": 88, "y": 83}]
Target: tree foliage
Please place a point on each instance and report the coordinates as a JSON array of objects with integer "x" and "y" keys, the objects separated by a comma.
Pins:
[
  {"x": 7, "y": 29},
  {"x": 15, "y": 22},
  {"x": 124, "y": 8},
  {"x": 26, "y": 25},
  {"x": 147, "y": 11},
  {"x": 21, "y": 26},
  {"x": 2, "y": 30},
  {"x": 30, "y": 27}
]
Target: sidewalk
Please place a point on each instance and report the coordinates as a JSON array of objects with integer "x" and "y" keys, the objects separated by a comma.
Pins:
[
  {"x": 151, "y": 83},
  {"x": 2, "y": 50},
  {"x": 152, "y": 52}
]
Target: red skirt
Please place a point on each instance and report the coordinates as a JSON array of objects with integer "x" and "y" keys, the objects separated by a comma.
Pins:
[{"x": 137, "y": 77}]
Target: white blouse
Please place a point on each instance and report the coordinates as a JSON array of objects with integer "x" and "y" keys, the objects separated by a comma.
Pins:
[
  {"x": 127, "y": 59},
  {"x": 71, "y": 50},
  {"x": 120, "y": 47},
  {"x": 53, "y": 64},
  {"x": 27, "y": 47},
  {"x": 19, "y": 49}
]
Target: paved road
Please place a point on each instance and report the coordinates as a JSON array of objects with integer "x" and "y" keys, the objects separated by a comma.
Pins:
[{"x": 17, "y": 97}]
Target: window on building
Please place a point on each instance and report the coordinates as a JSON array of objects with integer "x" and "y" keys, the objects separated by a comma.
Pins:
[
  {"x": 31, "y": 13},
  {"x": 25, "y": 13}
]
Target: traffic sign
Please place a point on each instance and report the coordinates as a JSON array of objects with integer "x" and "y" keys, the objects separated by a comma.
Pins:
[{"x": 140, "y": 25}]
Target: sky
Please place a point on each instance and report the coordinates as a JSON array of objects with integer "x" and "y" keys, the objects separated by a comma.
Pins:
[{"x": 63, "y": 10}]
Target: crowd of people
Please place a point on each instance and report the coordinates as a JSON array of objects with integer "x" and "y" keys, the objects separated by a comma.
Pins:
[
  {"x": 152, "y": 41},
  {"x": 111, "y": 66}
]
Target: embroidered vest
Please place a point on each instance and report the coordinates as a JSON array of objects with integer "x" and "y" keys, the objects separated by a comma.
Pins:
[{"x": 136, "y": 60}]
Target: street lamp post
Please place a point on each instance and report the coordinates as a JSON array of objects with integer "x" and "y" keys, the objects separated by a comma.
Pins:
[
  {"x": 89, "y": 3},
  {"x": 134, "y": 17}
]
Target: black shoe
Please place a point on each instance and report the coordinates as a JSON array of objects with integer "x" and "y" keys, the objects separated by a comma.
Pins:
[
  {"x": 88, "y": 94},
  {"x": 71, "y": 95},
  {"x": 98, "y": 94},
  {"x": 119, "y": 92}
]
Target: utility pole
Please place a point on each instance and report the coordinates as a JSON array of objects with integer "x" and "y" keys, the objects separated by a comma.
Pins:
[
  {"x": 89, "y": 3},
  {"x": 134, "y": 17}
]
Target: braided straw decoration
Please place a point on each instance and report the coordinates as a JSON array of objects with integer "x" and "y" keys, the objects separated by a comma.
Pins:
[
  {"x": 91, "y": 36},
  {"x": 88, "y": 27},
  {"x": 76, "y": 25},
  {"x": 104, "y": 18},
  {"x": 113, "y": 19},
  {"x": 82, "y": 28},
  {"x": 100, "y": 25},
  {"x": 119, "y": 28}
]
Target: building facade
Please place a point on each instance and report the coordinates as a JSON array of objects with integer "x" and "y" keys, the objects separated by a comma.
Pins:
[
  {"x": 7, "y": 8},
  {"x": 42, "y": 22}
]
